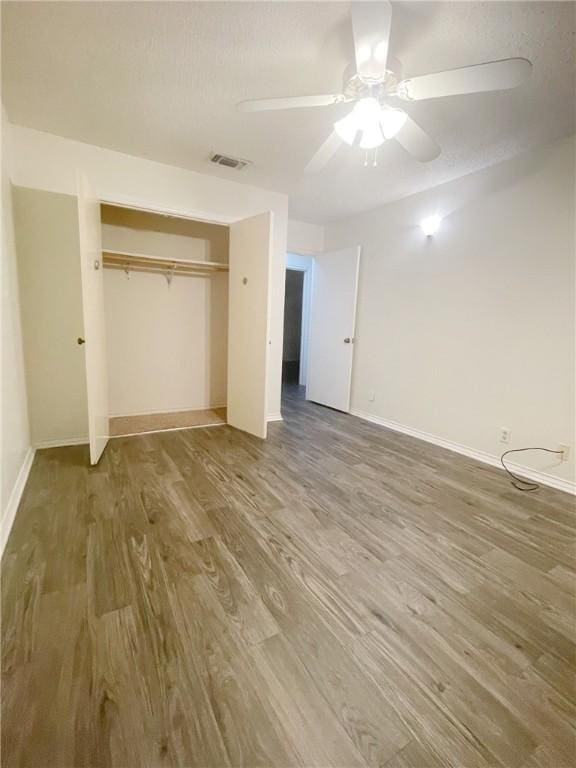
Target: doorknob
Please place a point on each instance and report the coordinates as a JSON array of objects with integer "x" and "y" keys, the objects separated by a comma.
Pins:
[
  {"x": 347, "y": 340},
  {"x": 80, "y": 340}
]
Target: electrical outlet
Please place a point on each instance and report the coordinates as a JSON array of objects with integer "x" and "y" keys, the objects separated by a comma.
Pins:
[
  {"x": 505, "y": 433},
  {"x": 565, "y": 448},
  {"x": 371, "y": 396}
]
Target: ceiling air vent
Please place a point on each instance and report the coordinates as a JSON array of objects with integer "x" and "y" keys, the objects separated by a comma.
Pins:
[{"x": 229, "y": 162}]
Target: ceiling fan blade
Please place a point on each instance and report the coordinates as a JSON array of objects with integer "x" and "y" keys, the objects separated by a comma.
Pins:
[
  {"x": 492, "y": 76},
  {"x": 417, "y": 142},
  {"x": 371, "y": 29},
  {"x": 290, "y": 102},
  {"x": 324, "y": 154}
]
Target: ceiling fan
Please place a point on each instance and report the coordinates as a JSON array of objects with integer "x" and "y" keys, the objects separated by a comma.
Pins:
[{"x": 375, "y": 91}]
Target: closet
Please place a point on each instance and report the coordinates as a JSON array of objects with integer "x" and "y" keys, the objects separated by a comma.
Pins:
[
  {"x": 176, "y": 319},
  {"x": 166, "y": 312}
]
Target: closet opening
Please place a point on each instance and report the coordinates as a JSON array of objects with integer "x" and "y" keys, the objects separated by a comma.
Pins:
[{"x": 166, "y": 315}]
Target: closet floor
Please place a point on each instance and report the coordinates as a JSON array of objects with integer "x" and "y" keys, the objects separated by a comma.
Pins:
[{"x": 157, "y": 422}]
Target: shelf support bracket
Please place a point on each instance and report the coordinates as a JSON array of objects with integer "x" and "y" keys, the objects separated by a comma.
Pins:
[{"x": 169, "y": 275}]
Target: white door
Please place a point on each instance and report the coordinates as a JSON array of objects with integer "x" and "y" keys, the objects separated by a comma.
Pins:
[
  {"x": 248, "y": 323},
  {"x": 332, "y": 322},
  {"x": 93, "y": 311}
]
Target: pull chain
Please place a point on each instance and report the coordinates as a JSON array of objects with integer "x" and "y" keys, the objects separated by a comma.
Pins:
[{"x": 374, "y": 162}]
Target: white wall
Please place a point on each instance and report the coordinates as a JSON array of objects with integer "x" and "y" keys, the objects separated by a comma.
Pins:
[
  {"x": 473, "y": 330},
  {"x": 149, "y": 243},
  {"x": 305, "y": 238},
  {"x": 167, "y": 344},
  {"x": 15, "y": 442},
  {"x": 50, "y": 162}
]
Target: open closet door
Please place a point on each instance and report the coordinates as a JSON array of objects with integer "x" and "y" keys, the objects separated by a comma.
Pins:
[
  {"x": 248, "y": 324},
  {"x": 332, "y": 323},
  {"x": 93, "y": 311}
]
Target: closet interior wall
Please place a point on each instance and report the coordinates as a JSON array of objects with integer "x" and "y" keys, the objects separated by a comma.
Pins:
[{"x": 167, "y": 332}]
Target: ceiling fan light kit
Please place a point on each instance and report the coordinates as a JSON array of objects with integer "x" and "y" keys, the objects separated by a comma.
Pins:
[
  {"x": 376, "y": 123},
  {"x": 374, "y": 84}
]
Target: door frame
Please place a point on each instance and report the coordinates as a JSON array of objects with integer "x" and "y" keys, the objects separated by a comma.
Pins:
[
  {"x": 307, "y": 267},
  {"x": 125, "y": 201}
]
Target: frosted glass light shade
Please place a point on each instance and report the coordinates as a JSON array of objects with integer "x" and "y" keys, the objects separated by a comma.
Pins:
[
  {"x": 371, "y": 137},
  {"x": 391, "y": 121},
  {"x": 367, "y": 111},
  {"x": 347, "y": 128}
]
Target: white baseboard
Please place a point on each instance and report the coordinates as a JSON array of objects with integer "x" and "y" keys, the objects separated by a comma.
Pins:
[
  {"x": 9, "y": 513},
  {"x": 61, "y": 442},
  {"x": 275, "y": 416},
  {"x": 543, "y": 478},
  {"x": 168, "y": 410}
]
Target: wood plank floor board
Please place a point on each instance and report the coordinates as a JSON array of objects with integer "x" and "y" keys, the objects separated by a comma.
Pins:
[
  {"x": 448, "y": 657},
  {"x": 232, "y": 685},
  {"x": 558, "y": 674},
  {"x": 322, "y": 546},
  {"x": 124, "y": 493},
  {"x": 415, "y": 754},
  {"x": 338, "y": 595},
  {"x": 320, "y": 737},
  {"x": 317, "y": 582},
  {"x": 315, "y": 634},
  {"x": 428, "y": 720},
  {"x": 185, "y": 456},
  {"x": 237, "y": 596},
  {"x": 503, "y": 735},
  {"x": 372, "y": 725}
]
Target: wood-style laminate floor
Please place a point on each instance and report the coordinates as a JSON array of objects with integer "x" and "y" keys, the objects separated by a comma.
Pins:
[{"x": 339, "y": 595}]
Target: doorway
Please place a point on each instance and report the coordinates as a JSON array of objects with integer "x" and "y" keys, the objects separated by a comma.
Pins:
[
  {"x": 319, "y": 323},
  {"x": 292, "y": 350},
  {"x": 298, "y": 290}
]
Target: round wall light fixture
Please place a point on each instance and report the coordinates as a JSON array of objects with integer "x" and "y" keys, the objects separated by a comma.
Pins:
[{"x": 430, "y": 225}]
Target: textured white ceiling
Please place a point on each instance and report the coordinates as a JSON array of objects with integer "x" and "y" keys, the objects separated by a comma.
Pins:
[{"x": 161, "y": 80}]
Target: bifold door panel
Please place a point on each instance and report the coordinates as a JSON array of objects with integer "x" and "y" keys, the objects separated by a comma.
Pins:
[
  {"x": 94, "y": 334},
  {"x": 249, "y": 320}
]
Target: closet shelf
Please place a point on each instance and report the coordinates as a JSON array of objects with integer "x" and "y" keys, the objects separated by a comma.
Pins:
[{"x": 142, "y": 263}]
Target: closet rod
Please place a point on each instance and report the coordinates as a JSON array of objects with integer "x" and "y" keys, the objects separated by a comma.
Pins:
[{"x": 143, "y": 263}]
